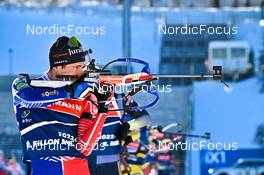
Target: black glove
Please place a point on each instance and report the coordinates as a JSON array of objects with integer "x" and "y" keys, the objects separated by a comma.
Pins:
[
  {"x": 102, "y": 98},
  {"x": 86, "y": 115}
]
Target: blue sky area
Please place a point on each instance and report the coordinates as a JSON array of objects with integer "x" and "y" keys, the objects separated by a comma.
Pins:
[{"x": 31, "y": 51}]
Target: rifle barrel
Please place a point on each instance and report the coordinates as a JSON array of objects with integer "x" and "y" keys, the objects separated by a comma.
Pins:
[
  {"x": 183, "y": 76},
  {"x": 205, "y": 136},
  {"x": 196, "y": 136}
]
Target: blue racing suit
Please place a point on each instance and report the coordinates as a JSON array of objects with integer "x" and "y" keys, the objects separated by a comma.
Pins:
[{"x": 57, "y": 132}]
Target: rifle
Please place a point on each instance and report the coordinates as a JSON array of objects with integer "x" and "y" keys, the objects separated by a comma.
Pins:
[
  {"x": 180, "y": 129},
  {"x": 140, "y": 81},
  {"x": 206, "y": 135}
]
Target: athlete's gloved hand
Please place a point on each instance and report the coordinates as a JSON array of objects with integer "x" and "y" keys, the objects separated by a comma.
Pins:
[{"x": 102, "y": 97}]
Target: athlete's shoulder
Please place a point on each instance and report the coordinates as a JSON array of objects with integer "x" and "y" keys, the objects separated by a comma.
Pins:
[
  {"x": 20, "y": 82},
  {"x": 23, "y": 81}
]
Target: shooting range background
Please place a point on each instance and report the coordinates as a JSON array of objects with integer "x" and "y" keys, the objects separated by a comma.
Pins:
[{"x": 232, "y": 115}]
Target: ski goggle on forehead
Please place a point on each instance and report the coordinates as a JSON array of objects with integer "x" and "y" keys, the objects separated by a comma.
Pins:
[{"x": 73, "y": 42}]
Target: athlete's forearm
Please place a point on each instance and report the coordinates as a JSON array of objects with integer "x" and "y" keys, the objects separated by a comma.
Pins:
[{"x": 89, "y": 132}]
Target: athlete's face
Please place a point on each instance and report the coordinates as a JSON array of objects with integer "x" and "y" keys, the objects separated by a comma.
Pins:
[{"x": 75, "y": 69}]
